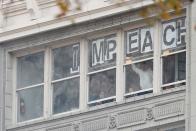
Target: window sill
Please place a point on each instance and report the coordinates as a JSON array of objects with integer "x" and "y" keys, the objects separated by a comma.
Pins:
[
  {"x": 183, "y": 87},
  {"x": 150, "y": 95},
  {"x": 65, "y": 114},
  {"x": 29, "y": 122}
]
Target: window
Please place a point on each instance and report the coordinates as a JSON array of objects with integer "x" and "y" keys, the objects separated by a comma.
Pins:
[
  {"x": 177, "y": 129},
  {"x": 138, "y": 61},
  {"x": 173, "y": 53},
  {"x": 102, "y": 72},
  {"x": 65, "y": 78},
  {"x": 30, "y": 86}
]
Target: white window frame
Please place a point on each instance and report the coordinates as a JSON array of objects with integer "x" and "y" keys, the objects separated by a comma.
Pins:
[
  {"x": 168, "y": 53},
  {"x": 176, "y": 82},
  {"x": 59, "y": 44},
  {"x": 140, "y": 91},
  {"x": 125, "y": 30},
  {"x": 116, "y": 67},
  {"x": 15, "y": 94}
]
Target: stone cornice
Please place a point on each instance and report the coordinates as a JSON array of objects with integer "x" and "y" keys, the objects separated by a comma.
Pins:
[{"x": 41, "y": 25}]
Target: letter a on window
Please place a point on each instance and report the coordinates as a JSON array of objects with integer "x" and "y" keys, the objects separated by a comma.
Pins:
[{"x": 146, "y": 40}]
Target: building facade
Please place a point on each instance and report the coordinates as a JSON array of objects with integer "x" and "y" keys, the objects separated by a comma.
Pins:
[{"x": 99, "y": 69}]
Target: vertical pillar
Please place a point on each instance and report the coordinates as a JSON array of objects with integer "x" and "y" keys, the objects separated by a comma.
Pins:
[
  {"x": 119, "y": 68},
  {"x": 83, "y": 73},
  {"x": 157, "y": 59},
  {"x": 191, "y": 70}
]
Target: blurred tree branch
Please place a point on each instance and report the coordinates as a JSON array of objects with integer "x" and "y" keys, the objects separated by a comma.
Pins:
[{"x": 162, "y": 7}]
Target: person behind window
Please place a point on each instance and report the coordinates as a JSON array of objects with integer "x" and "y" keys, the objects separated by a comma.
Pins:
[{"x": 145, "y": 74}]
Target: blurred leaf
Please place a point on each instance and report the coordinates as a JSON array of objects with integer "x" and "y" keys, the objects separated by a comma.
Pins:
[
  {"x": 79, "y": 4},
  {"x": 162, "y": 7},
  {"x": 176, "y": 5},
  {"x": 165, "y": 15},
  {"x": 63, "y": 6},
  {"x": 144, "y": 12}
]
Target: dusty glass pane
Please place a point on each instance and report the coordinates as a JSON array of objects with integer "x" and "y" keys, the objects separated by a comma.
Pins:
[
  {"x": 30, "y": 70},
  {"x": 102, "y": 85},
  {"x": 30, "y": 104},
  {"x": 177, "y": 129},
  {"x": 139, "y": 76},
  {"x": 174, "y": 68},
  {"x": 66, "y": 95},
  {"x": 102, "y": 52},
  {"x": 66, "y": 61}
]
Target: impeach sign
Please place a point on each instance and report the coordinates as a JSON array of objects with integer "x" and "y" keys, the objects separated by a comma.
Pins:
[{"x": 138, "y": 41}]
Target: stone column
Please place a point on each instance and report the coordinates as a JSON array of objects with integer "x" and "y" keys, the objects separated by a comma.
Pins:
[{"x": 191, "y": 68}]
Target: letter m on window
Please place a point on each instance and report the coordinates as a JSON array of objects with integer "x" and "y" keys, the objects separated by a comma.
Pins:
[{"x": 98, "y": 52}]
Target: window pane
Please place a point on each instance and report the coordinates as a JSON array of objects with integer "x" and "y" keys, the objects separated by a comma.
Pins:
[
  {"x": 174, "y": 68},
  {"x": 66, "y": 61},
  {"x": 66, "y": 95},
  {"x": 30, "y": 70},
  {"x": 30, "y": 103},
  {"x": 102, "y": 85},
  {"x": 177, "y": 129},
  {"x": 139, "y": 76},
  {"x": 102, "y": 53}
]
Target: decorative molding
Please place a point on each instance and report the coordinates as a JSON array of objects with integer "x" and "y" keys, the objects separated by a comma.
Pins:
[
  {"x": 95, "y": 124},
  {"x": 165, "y": 110},
  {"x": 33, "y": 9},
  {"x": 19, "y": 7},
  {"x": 14, "y": 8},
  {"x": 112, "y": 122},
  {"x": 61, "y": 128},
  {"x": 76, "y": 127},
  {"x": 73, "y": 30},
  {"x": 130, "y": 118},
  {"x": 149, "y": 115}
]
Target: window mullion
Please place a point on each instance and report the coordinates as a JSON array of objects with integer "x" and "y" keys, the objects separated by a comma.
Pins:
[
  {"x": 47, "y": 75},
  {"x": 120, "y": 88},
  {"x": 83, "y": 72},
  {"x": 15, "y": 97},
  {"x": 157, "y": 75}
]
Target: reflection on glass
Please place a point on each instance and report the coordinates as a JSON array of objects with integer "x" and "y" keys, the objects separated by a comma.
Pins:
[
  {"x": 66, "y": 95},
  {"x": 30, "y": 70},
  {"x": 139, "y": 76},
  {"x": 102, "y": 85},
  {"x": 177, "y": 129},
  {"x": 30, "y": 103},
  {"x": 174, "y": 68},
  {"x": 66, "y": 61}
]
